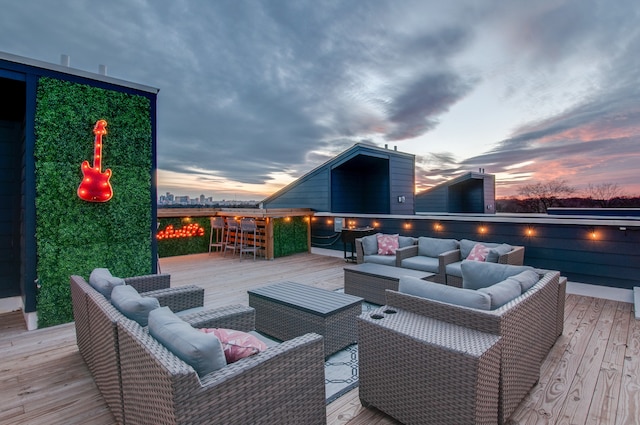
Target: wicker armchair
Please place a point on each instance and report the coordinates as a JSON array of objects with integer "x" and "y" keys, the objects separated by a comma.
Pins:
[
  {"x": 283, "y": 384},
  {"x": 443, "y": 259},
  {"x": 96, "y": 332},
  {"x": 527, "y": 327}
]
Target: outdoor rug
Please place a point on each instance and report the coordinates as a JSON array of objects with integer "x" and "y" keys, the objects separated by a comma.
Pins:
[{"x": 341, "y": 368}]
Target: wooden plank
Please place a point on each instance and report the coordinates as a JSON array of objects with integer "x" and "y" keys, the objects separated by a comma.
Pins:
[
  {"x": 605, "y": 396},
  {"x": 582, "y": 388},
  {"x": 629, "y": 398}
]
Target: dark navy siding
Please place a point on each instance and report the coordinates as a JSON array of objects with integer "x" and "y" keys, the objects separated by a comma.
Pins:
[{"x": 612, "y": 258}]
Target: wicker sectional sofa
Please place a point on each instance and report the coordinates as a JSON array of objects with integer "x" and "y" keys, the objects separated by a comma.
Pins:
[
  {"x": 436, "y": 255},
  {"x": 96, "y": 327},
  {"x": 527, "y": 326},
  {"x": 283, "y": 384},
  {"x": 145, "y": 383}
]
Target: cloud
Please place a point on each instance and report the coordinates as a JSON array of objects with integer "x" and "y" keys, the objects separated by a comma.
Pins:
[{"x": 256, "y": 93}]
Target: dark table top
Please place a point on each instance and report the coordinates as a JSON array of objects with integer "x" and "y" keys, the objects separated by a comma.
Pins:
[{"x": 306, "y": 298}]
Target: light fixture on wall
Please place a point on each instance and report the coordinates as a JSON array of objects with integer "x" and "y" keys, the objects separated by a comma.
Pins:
[
  {"x": 593, "y": 234},
  {"x": 529, "y": 232},
  {"x": 401, "y": 199},
  {"x": 482, "y": 229},
  {"x": 437, "y": 227}
]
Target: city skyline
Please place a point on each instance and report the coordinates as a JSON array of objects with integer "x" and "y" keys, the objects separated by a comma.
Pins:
[{"x": 255, "y": 94}]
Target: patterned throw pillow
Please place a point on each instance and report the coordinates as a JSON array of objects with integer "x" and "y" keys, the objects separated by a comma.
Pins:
[
  {"x": 236, "y": 344},
  {"x": 478, "y": 253},
  {"x": 387, "y": 244}
]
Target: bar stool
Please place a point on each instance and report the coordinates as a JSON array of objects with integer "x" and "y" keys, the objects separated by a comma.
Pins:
[
  {"x": 232, "y": 240},
  {"x": 248, "y": 237},
  {"x": 217, "y": 224}
]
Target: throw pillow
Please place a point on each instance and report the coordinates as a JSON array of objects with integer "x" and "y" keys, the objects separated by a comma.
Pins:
[
  {"x": 387, "y": 244},
  {"x": 370, "y": 244},
  {"x": 476, "y": 274},
  {"x": 203, "y": 352},
  {"x": 478, "y": 253},
  {"x": 134, "y": 306},
  {"x": 236, "y": 344},
  {"x": 443, "y": 293},
  {"x": 433, "y": 247},
  {"x": 102, "y": 281}
]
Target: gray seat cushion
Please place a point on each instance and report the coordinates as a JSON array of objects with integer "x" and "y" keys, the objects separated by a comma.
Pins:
[
  {"x": 448, "y": 294},
  {"x": 387, "y": 260},
  {"x": 454, "y": 269},
  {"x": 200, "y": 350},
  {"x": 477, "y": 274},
  {"x": 419, "y": 262}
]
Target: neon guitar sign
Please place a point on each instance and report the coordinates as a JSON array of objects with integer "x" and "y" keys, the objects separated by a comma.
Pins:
[{"x": 95, "y": 185}]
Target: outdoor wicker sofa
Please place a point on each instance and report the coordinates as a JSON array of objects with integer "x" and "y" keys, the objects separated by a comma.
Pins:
[
  {"x": 96, "y": 332},
  {"x": 440, "y": 256},
  {"x": 527, "y": 327},
  {"x": 283, "y": 384}
]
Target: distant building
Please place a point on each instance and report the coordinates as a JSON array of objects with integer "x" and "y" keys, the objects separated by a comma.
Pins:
[
  {"x": 469, "y": 193},
  {"x": 363, "y": 179}
]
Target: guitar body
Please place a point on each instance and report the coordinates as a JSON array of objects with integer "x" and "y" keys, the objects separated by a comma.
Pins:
[{"x": 95, "y": 185}]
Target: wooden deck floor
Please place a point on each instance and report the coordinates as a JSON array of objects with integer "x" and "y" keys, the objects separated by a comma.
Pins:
[{"x": 590, "y": 376}]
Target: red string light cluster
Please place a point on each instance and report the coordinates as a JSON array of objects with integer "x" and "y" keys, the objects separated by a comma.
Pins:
[{"x": 188, "y": 231}]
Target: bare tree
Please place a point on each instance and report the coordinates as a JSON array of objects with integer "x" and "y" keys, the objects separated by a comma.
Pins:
[
  {"x": 603, "y": 193},
  {"x": 543, "y": 195}
]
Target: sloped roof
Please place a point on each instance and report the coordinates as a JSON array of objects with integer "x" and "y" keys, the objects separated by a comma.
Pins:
[{"x": 354, "y": 151}]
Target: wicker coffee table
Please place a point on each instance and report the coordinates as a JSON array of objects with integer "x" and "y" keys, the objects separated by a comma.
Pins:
[
  {"x": 369, "y": 280},
  {"x": 286, "y": 310}
]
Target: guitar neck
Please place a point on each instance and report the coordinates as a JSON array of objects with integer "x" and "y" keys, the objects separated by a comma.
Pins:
[{"x": 97, "y": 152}]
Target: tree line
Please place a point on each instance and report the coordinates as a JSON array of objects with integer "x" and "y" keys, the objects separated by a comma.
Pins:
[{"x": 538, "y": 197}]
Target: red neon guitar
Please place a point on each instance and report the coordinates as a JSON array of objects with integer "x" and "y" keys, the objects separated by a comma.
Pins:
[{"x": 95, "y": 185}]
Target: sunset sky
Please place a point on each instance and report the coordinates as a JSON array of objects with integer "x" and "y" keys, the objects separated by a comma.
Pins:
[{"x": 254, "y": 94}]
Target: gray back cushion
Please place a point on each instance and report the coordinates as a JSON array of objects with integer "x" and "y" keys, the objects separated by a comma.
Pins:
[
  {"x": 497, "y": 251},
  {"x": 478, "y": 274},
  {"x": 370, "y": 244},
  {"x": 432, "y": 247},
  {"x": 102, "y": 281},
  {"x": 526, "y": 279},
  {"x": 502, "y": 292},
  {"x": 404, "y": 241},
  {"x": 448, "y": 294},
  {"x": 467, "y": 245},
  {"x": 200, "y": 350},
  {"x": 134, "y": 306}
]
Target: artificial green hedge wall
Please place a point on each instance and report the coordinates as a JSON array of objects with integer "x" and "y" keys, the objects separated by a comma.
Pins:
[
  {"x": 74, "y": 236},
  {"x": 289, "y": 236}
]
